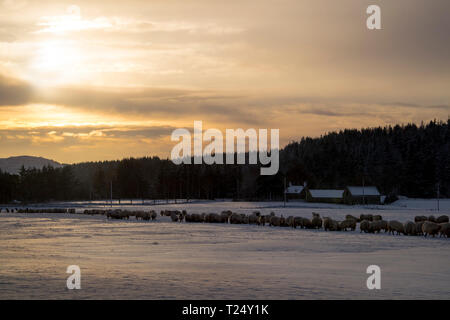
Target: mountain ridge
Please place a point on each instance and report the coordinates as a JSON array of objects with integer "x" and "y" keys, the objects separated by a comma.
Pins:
[{"x": 13, "y": 164}]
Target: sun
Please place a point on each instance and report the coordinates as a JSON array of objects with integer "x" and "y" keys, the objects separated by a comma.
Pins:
[
  {"x": 57, "y": 61},
  {"x": 55, "y": 56}
]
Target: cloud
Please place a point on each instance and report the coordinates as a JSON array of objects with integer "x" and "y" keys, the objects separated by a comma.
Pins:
[
  {"x": 117, "y": 132},
  {"x": 73, "y": 21},
  {"x": 14, "y": 4},
  {"x": 14, "y": 91},
  {"x": 86, "y": 143},
  {"x": 178, "y": 104}
]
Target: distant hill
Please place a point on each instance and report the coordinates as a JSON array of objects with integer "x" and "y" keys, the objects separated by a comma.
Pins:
[{"x": 13, "y": 164}]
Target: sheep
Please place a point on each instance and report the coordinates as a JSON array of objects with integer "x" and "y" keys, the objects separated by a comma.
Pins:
[
  {"x": 326, "y": 223},
  {"x": 350, "y": 217},
  {"x": 420, "y": 218},
  {"x": 207, "y": 217},
  {"x": 261, "y": 220},
  {"x": 236, "y": 218},
  {"x": 222, "y": 218},
  {"x": 153, "y": 214},
  {"x": 430, "y": 228},
  {"x": 283, "y": 222},
  {"x": 199, "y": 217},
  {"x": 432, "y": 219},
  {"x": 167, "y": 213},
  {"x": 146, "y": 216},
  {"x": 290, "y": 221},
  {"x": 350, "y": 223},
  {"x": 193, "y": 217},
  {"x": 410, "y": 228},
  {"x": 216, "y": 218},
  {"x": 307, "y": 224},
  {"x": 419, "y": 228},
  {"x": 275, "y": 221},
  {"x": 442, "y": 219},
  {"x": 377, "y": 226},
  {"x": 188, "y": 217},
  {"x": 265, "y": 219},
  {"x": 226, "y": 216},
  {"x": 444, "y": 229},
  {"x": 316, "y": 221},
  {"x": 227, "y": 213},
  {"x": 383, "y": 225},
  {"x": 330, "y": 224},
  {"x": 298, "y": 222},
  {"x": 124, "y": 214},
  {"x": 368, "y": 217},
  {"x": 336, "y": 225},
  {"x": 174, "y": 216},
  {"x": 268, "y": 217},
  {"x": 377, "y": 217},
  {"x": 253, "y": 218},
  {"x": 140, "y": 215},
  {"x": 395, "y": 226},
  {"x": 116, "y": 214},
  {"x": 364, "y": 226}
]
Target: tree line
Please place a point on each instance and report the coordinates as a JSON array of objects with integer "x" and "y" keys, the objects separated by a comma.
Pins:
[{"x": 405, "y": 160}]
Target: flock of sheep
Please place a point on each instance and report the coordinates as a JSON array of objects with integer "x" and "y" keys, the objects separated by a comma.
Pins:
[
  {"x": 422, "y": 225},
  {"x": 368, "y": 223},
  {"x": 36, "y": 210}
]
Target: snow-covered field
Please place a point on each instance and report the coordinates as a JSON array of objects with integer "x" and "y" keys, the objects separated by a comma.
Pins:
[{"x": 165, "y": 260}]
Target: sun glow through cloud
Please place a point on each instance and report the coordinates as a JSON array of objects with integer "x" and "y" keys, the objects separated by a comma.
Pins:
[{"x": 57, "y": 61}]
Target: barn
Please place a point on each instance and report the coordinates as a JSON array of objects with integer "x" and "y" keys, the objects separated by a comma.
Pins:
[
  {"x": 294, "y": 192},
  {"x": 325, "y": 195},
  {"x": 362, "y": 195}
]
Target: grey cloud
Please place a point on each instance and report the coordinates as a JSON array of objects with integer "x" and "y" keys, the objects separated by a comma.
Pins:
[
  {"x": 153, "y": 132},
  {"x": 14, "y": 92},
  {"x": 181, "y": 104}
]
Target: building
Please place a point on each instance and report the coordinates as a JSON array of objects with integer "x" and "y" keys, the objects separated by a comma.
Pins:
[
  {"x": 294, "y": 192},
  {"x": 362, "y": 195},
  {"x": 324, "y": 195}
]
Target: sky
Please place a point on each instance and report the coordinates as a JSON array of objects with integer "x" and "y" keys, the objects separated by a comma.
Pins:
[{"x": 103, "y": 80}]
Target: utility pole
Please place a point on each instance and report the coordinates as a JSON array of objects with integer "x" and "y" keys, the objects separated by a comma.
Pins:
[
  {"x": 111, "y": 195},
  {"x": 284, "y": 191},
  {"x": 438, "y": 195},
  {"x": 364, "y": 196}
]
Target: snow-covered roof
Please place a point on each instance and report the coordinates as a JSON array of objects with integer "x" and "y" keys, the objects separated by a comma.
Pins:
[
  {"x": 294, "y": 189},
  {"x": 323, "y": 193},
  {"x": 367, "y": 191}
]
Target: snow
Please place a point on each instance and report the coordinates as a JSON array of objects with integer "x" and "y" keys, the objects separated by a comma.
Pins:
[
  {"x": 166, "y": 260},
  {"x": 323, "y": 193},
  {"x": 367, "y": 191}
]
